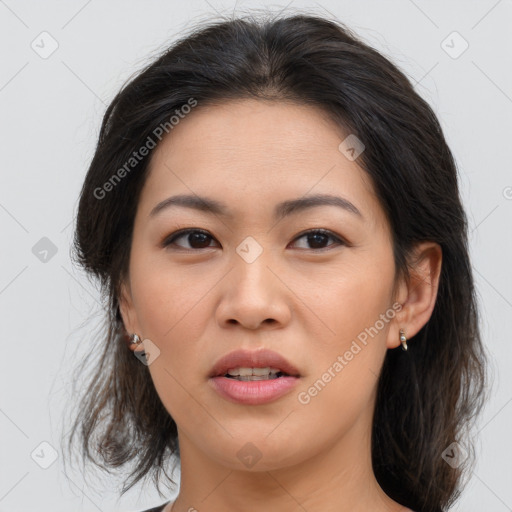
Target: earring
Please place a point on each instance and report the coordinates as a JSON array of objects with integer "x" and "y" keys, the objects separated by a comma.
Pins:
[
  {"x": 403, "y": 339},
  {"x": 135, "y": 340}
]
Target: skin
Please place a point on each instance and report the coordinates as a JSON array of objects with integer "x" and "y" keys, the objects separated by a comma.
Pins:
[{"x": 199, "y": 302}]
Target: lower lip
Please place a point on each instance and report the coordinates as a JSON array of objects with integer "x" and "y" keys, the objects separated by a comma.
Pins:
[{"x": 253, "y": 392}]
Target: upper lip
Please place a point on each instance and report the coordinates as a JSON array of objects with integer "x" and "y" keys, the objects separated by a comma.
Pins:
[{"x": 253, "y": 359}]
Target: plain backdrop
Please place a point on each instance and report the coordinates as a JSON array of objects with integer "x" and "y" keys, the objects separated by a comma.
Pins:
[{"x": 62, "y": 63}]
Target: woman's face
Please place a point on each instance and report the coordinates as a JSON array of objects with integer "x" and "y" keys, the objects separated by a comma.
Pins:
[{"x": 253, "y": 280}]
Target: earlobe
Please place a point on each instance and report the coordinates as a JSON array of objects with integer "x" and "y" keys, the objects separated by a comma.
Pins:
[{"x": 418, "y": 296}]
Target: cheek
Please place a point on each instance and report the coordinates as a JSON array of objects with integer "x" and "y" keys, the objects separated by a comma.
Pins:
[
  {"x": 168, "y": 298},
  {"x": 351, "y": 300},
  {"x": 346, "y": 364},
  {"x": 172, "y": 309},
  {"x": 356, "y": 310}
]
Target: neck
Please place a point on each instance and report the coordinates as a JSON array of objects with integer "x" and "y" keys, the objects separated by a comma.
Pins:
[{"x": 338, "y": 478}]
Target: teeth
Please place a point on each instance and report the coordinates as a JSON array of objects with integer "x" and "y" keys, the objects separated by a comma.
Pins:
[
  {"x": 269, "y": 376},
  {"x": 259, "y": 372}
]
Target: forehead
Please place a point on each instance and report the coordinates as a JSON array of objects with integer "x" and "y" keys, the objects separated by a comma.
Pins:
[
  {"x": 244, "y": 127},
  {"x": 256, "y": 153}
]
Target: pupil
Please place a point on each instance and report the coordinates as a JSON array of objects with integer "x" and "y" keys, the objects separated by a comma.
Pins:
[
  {"x": 199, "y": 237},
  {"x": 316, "y": 235}
]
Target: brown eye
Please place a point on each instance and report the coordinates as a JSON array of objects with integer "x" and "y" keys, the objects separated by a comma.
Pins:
[
  {"x": 197, "y": 239},
  {"x": 317, "y": 238}
]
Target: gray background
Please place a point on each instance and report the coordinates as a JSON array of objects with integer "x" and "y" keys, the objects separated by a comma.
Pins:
[{"x": 51, "y": 110}]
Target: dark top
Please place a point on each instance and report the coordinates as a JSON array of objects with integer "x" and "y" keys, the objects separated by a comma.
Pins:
[{"x": 157, "y": 509}]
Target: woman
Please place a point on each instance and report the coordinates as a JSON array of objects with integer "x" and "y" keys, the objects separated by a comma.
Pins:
[{"x": 273, "y": 213}]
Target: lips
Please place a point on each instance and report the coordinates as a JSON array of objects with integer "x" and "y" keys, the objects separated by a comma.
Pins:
[{"x": 253, "y": 359}]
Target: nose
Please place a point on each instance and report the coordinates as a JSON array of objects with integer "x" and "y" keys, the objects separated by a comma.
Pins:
[{"x": 254, "y": 296}]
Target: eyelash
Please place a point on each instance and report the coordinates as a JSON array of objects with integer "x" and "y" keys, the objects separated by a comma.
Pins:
[{"x": 179, "y": 234}]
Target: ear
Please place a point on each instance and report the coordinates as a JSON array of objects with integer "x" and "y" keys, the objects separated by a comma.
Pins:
[
  {"x": 127, "y": 310},
  {"x": 418, "y": 294}
]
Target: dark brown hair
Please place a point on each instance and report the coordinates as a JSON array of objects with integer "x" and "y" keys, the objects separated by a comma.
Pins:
[{"x": 428, "y": 397}]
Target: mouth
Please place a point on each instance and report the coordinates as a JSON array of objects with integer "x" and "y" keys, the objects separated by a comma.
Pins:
[
  {"x": 253, "y": 365},
  {"x": 252, "y": 374},
  {"x": 253, "y": 378}
]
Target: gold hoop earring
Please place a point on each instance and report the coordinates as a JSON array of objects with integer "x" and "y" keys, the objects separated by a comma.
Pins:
[{"x": 403, "y": 339}]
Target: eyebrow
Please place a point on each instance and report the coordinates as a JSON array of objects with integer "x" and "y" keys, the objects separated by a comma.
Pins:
[{"x": 281, "y": 210}]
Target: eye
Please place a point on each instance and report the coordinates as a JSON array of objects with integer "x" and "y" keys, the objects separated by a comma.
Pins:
[
  {"x": 197, "y": 238},
  {"x": 318, "y": 237}
]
